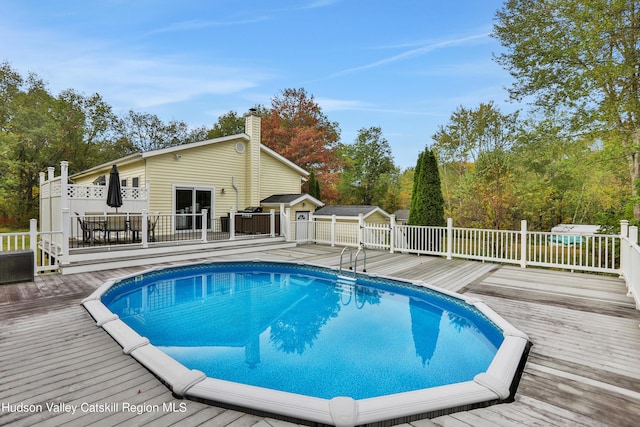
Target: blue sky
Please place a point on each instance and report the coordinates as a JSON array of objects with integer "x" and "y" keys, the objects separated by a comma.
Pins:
[{"x": 403, "y": 65}]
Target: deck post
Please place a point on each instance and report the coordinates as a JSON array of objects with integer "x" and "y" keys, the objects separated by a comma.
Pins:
[
  {"x": 232, "y": 224},
  {"x": 33, "y": 243},
  {"x": 205, "y": 226},
  {"x": 272, "y": 222},
  {"x": 360, "y": 230},
  {"x": 523, "y": 243},
  {"x": 285, "y": 223},
  {"x": 333, "y": 229},
  {"x": 449, "y": 238},
  {"x": 66, "y": 231},
  {"x": 392, "y": 233},
  {"x": 144, "y": 229}
]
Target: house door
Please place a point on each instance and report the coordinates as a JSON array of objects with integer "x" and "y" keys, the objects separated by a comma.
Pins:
[
  {"x": 302, "y": 225},
  {"x": 189, "y": 202}
]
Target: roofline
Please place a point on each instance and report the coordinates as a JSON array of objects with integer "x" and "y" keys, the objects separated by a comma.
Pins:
[
  {"x": 197, "y": 144},
  {"x": 298, "y": 200},
  {"x": 121, "y": 161},
  {"x": 377, "y": 209}
]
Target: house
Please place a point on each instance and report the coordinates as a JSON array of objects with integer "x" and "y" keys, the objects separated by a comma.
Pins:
[
  {"x": 402, "y": 216},
  {"x": 344, "y": 225},
  {"x": 301, "y": 205},
  {"x": 232, "y": 172},
  {"x": 351, "y": 214}
]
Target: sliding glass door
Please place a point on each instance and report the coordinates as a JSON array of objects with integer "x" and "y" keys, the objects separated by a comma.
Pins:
[{"x": 189, "y": 202}]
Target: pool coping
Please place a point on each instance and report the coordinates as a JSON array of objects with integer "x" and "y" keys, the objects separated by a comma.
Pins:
[{"x": 490, "y": 386}]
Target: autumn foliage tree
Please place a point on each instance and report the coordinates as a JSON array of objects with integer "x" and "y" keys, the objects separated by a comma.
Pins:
[{"x": 296, "y": 128}]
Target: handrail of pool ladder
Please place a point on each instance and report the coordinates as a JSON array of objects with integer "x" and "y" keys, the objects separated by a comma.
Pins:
[
  {"x": 355, "y": 263},
  {"x": 350, "y": 259}
]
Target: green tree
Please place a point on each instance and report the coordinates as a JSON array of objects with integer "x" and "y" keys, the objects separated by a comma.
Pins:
[
  {"x": 427, "y": 203},
  {"x": 368, "y": 169},
  {"x": 228, "y": 124},
  {"x": 313, "y": 185},
  {"x": 469, "y": 147},
  {"x": 580, "y": 58}
]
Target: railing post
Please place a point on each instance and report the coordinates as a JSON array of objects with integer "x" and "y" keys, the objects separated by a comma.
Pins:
[
  {"x": 449, "y": 238},
  {"x": 33, "y": 242},
  {"x": 285, "y": 223},
  {"x": 272, "y": 222},
  {"x": 232, "y": 224},
  {"x": 624, "y": 248},
  {"x": 523, "y": 243},
  {"x": 205, "y": 226},
  {"x": 333, "y": 229},
  {"x": 144, "y": 226},
  {"x": 66, "y": 231},
  {"x": 392, "y": 234},
  {"x": 360, "y": 230},
  {"x": 633, "y": 235},
  {"x": 624, "y": 228}
]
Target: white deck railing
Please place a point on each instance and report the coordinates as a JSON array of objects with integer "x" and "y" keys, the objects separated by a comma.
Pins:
[
  {"x": 630, "y": 260},
  {"x": 579, "y": 252}
]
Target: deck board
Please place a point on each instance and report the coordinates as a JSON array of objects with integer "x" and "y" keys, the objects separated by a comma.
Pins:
[{"x": 583, "y": 367}]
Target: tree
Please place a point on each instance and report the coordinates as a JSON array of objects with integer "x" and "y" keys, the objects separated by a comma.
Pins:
[
  {"x": 580, "y": 58},
  {"x": 228, "y": 124},
  {"x": 314, "y": 185},
  {"x": 296, "y": 128},
  {"x": 148, "y": 132},
  {"x": 368, "y": 167},
  {"x": 427, "y": 203},
  {"x": 470, "y": 148}
]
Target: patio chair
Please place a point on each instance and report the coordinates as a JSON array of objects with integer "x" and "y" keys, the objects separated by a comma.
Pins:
[
  {"x": 90, "y": 226},
  {"x": 135, "y": 225},
  {"x": 86, "y": 232},
  {"x": 116, "y": 223},
  {"x": 151, "y": 227}
]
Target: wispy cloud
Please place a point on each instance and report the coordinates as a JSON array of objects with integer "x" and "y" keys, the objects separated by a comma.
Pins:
[
  {"x": 416, "y": 52},
  {"x": 330, "y": 105},
  {"x": 198, "y": 24},
  {"x": 320, "y": 3},
  {"x": 129, "y": 76}
]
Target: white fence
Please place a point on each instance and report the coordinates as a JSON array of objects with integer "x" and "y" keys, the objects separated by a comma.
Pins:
[
  {"x": 579, "y": 252},
  {"x": 598, "y": 253}
]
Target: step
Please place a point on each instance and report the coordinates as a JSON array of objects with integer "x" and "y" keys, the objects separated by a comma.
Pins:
[{"x": 130, "y": 258}]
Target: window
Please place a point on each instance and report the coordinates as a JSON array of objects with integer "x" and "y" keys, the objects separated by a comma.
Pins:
[
  {"x": 123, "y": 182},
  {"x": 135, "y": 182}
]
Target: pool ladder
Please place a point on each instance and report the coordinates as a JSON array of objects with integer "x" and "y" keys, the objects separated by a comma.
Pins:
[{"x": 353, "y": 263}]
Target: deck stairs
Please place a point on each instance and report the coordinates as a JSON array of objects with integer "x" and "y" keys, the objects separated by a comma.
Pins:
[{"x": 100, "y": 259}]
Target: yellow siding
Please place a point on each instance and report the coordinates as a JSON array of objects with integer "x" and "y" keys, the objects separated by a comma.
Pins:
[
  {"x": 211, "y": 165},
  {"x": 133, "y": 170},
  {"x": 126, "y": 171},
  {"x": 277, "y": 178}
]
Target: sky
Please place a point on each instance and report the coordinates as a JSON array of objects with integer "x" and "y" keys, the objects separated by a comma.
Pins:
[{"x": 402, "y": 65}]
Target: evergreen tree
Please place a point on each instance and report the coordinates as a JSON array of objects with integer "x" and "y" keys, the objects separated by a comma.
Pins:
[
  {"x": 427, "y": 203},
  {"x": 314, "y": 185}
]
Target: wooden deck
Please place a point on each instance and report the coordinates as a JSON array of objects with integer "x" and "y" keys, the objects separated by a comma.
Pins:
[{"x": 583, "y": 368}]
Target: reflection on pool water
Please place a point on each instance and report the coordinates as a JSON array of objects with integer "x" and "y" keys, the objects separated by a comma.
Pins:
[{"x": 306, "y": 332}]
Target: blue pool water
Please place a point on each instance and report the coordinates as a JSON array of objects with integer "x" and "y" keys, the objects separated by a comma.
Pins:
[{"x": 299, "y": 329}]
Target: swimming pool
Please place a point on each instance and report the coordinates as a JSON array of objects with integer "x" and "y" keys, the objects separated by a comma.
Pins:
[{"x": 300, "y": 341}]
